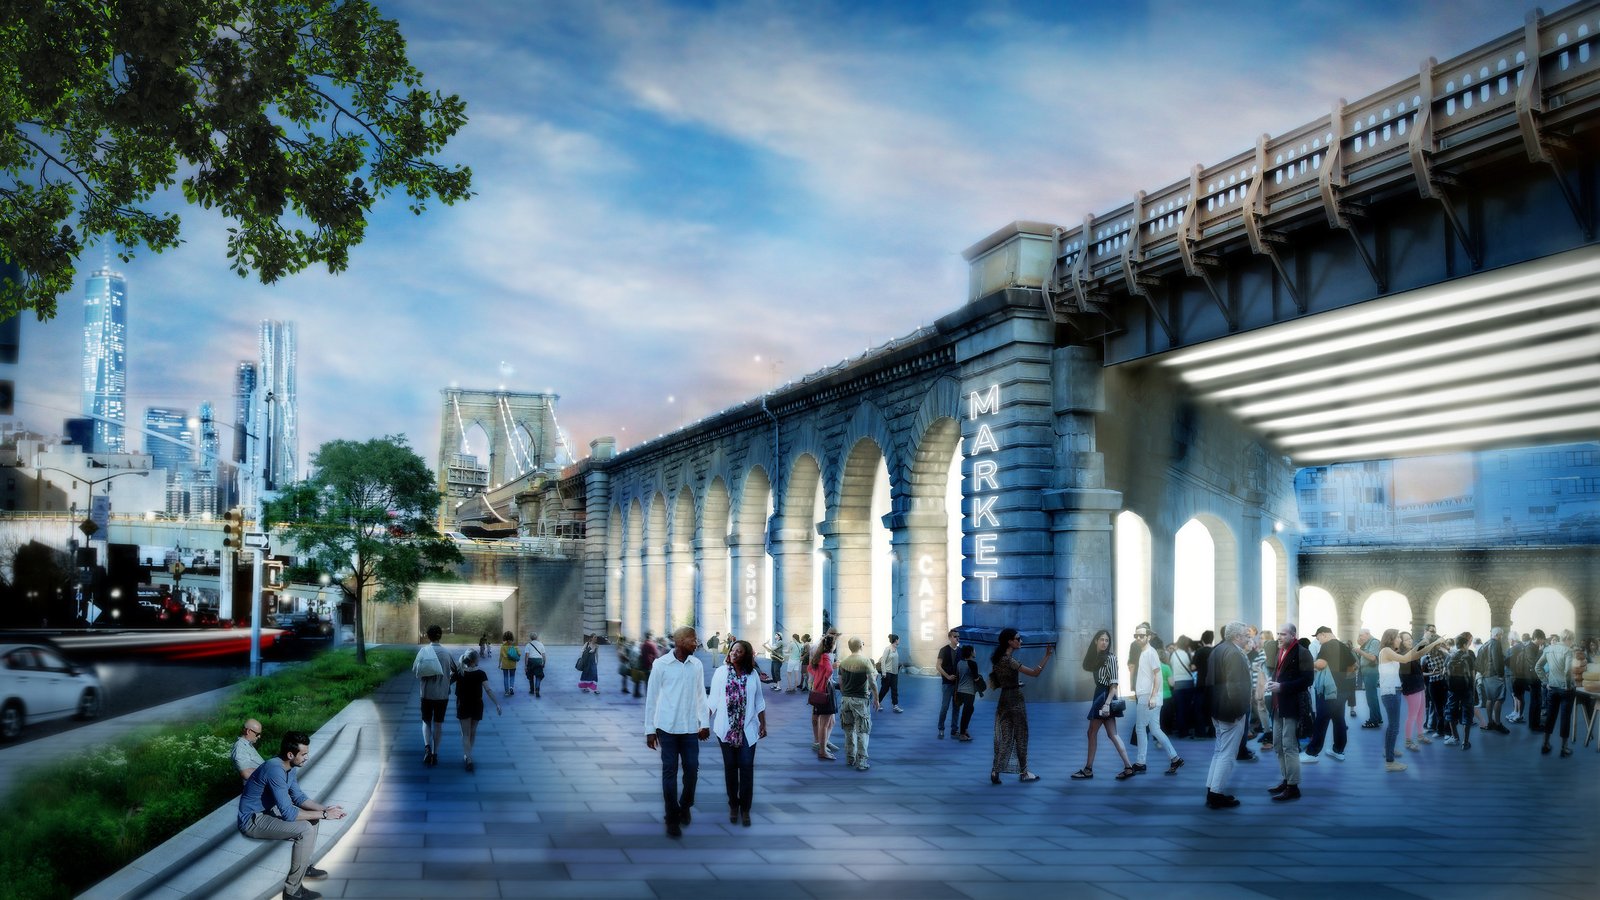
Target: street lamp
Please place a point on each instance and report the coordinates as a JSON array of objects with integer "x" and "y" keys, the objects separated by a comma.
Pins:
[{"x": 80, "y": 601}]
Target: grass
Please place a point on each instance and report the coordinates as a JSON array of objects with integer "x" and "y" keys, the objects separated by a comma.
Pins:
[{"x": 74, "y": 823}]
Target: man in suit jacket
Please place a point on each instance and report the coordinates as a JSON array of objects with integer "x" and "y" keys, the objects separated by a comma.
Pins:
[
  {"x": 1231, "y": 695},
  {"x": 1291, "y": 676}
]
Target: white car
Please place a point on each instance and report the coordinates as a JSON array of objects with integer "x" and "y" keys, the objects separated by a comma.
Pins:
[{"x": 38, "y": 684}]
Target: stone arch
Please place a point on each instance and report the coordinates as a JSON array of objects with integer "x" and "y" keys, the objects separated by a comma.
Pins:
[
  {"x": 654, "y": 610},
  {"x": 869, "y": 422},
  {"x": 1316, "y": 607},
  {"x": 861, "y": 607},
  {"x": 798, "y": 547},
  {"x": 1545, "y": 608},
  {"x": 613, "y": 585},
  {"x": 716, "y": 583},
  {"x": 1208, "y": 594},
  {"x": 1274, "y": 583},
  {"x": 929, "y": 533},
  {"x": 1131, "y": 555},
  {"x": 1462, "y": 609},
  {"x": 633, "y": 570},
  {"x": 747, "y": 544},
  {"x": 680, "y": 561},
  {"x": 1386, "y": 609}
]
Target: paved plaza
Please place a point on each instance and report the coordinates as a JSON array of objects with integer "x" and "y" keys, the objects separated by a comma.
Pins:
[{"x": 566, "y": 802}]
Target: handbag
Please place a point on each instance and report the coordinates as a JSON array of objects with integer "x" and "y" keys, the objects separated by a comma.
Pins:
[
  {"x": 1118, "y": 707},
  {"x": 819, "y": 696}
]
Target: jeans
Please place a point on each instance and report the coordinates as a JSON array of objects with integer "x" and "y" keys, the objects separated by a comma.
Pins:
[
  {"x": 891, "y": 688},
  {"x": 1438, "y": 700},
  {"x": 947, "y": 700},
  {"x": 1286, "y": 743},
  {"x": 1459, "y": 709},
  {"x": 739, "y": 771},
  {"x": 1222, "y": 756},
  {"x": 1369, "y": 685},
  {"x": 1391, "y": 707},
  {"x": 963, "y": 712},
  {"x": 676, "y": 749},
  {"x": 535, "y": 672},
  {"x": 1558, "y": 705},
  {"x": 509, "y": 677},
  {"x": 1328, "y": 711},
  {"x": 1183, "y": 702},
  {"x": 1147, "y": 725}
]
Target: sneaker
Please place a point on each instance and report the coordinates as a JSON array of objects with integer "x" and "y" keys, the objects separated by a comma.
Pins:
[
  {"x": 1307, "y": 759},
  {"x": 1334, "y": 754},
  {"x": 1412, "y": 746},
  {"x": 898, "y": 709},
  {"x": 1394, "y": 767},
  {"x": 1451, "y": 741},
  {"x": 832, "y": 748},
  {"x": 314, "y": 872},
  {"x": 941, "y": 734},
  {"x": 1175, "y": 765},
  {"x": 1371, "y": 724},
  {"x": 862, "y": 767},
  {"x": 1140, "y": 767},
  {"x": 304, "y": 893}
]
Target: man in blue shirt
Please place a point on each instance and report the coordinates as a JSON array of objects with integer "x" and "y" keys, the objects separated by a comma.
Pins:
[{"x": 273, "y": 808}]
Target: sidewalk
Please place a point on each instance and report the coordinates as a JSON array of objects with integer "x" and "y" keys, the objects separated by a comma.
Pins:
[{"x": 566, "y": 802}]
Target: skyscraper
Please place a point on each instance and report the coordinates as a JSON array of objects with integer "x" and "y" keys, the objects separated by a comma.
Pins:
[
  {"x": 281, "y": 428},
  {"x": 244, "y": 383},
  {"x": 174, "y": 450},
  {"x": 204, "y": 492},
  {"x": 105, "y": 359}
]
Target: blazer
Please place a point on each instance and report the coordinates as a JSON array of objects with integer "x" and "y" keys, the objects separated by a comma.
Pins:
[
  {"x": 1230, "y": 682},
  {"x": 1293, "y": 671}
]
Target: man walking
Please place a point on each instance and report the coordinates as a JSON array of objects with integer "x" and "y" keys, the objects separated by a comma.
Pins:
[
  {"x": 273, "y": 808},
  {"x": 533, "y": 656},
  {"x": 1148, "y": 688},
  {"x": 244, "y": 755},
  {"x": 1334, "y": 662},
  {"x": 1367, "y": 659},
  {"x": 1291, "y": 675},
  {"x": 889, "y": 671},
  {"x": 858, "y": 693},
  {"x": 433, "y": 667},
  {"x": 676, "y": 719},
  {"x": 948, "y": 678},
  {"x": 1229, "y": 669}
]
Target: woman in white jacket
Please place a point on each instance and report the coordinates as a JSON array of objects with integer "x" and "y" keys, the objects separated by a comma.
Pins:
[{"x": 738, "y": 720}]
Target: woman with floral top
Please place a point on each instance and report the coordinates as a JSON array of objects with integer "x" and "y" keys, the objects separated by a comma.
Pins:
[{"x": 738, "y": 719}]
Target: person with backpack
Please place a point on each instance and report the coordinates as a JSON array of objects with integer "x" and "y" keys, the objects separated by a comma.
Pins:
[
  {"x": 1492, "y": 669},
  {"x": 509, "y": 657},
  {"x": 1460, "y": 668},
  {"x": 968, "y": 687}
]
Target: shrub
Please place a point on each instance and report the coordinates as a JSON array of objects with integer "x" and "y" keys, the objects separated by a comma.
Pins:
[{"x": 82, "y": 819}]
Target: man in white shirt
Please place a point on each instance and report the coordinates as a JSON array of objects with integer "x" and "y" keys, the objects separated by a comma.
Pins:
[
  {"x": 533, "y": 662},
  {"x": 676, "y": 719},
  {"x": 1147, "y": 689}
]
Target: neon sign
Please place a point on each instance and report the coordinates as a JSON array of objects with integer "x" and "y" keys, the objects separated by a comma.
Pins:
[
  {"x": 985, "y": 477},
  {"x": 752, "y": 594}
]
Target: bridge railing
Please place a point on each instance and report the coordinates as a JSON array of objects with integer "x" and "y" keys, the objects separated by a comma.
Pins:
[{"x": 1472, "y": 104}]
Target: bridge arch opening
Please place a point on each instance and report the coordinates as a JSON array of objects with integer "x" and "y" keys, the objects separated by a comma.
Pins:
[
  {"x": 1274, "y": 584},
  {"x": 613, "y": 585},
  {"x": 655, "y": 567},
  {"x": 800, "y": 567},
  {"x": 1317, "y": 608},
  {"x": 863, "y": 570},
  {"x": 931, "y": 540},
  {"x": 475, "y": 442},
  {"x": 954, "y": 606},
  {"x": 1132, "y": 574},
  {"x": 680, "y": 562},
  {"x": 716, "y": 576},
  {"x": 1462, "y": 609},
  {"x": 752, "y": 564},
  {"x": 520, "y": 459},
  {"x": 632, "y": 571},
  {"x": 1545, "y": 608},
  {"x": 1386, "y": 609},
  {"x": 1205, "y": 566}
]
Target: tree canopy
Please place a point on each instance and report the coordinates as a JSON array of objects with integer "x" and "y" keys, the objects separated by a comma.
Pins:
[
  {"x": 289, "y": 117},
  {"x": 366, "y": 518}
]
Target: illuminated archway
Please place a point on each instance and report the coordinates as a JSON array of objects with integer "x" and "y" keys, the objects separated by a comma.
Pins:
[
  {"x": 862, "y": 572},
  {"x": 801, "y": 569},
  {"x": 1132, "y": 574},
  {"x": 680, "y": 563},
  {"x": 752, "y": 563},
  {"x": 1205, "y": 563},
  {"x": 1274, "y": 584},
  {"x": 716, "y": 577},
  {"x": 632, "y": 572},
  {"x": 1317, "y": 609},
  {"x": 1544, "y": 608},
  {"x": 1386, "y": 609},
  {"x": 613, "y": 586},
  {"x": 1462, "y": 609},
  {"x": 654, "y": 615}
]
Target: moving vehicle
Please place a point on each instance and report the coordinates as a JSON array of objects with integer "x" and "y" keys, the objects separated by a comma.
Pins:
[{"x": 38, "y": 683}]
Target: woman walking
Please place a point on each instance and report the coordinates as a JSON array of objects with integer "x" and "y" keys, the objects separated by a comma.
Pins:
[
  {"x": 1099, "y": 659},
  {"x": 1010, "y": 712},
  {"x": 738, "y": 719},
  {"x": 472, "y": 686},
  {"x": 1412, "y": 690},
  {"x": 589, "y": 665},
  {"x": 823, "y": 707},
  {"x": 509, "y": 657},
  {"x": 1390, "y": 657},
  {"x": 968, "y": 684}
]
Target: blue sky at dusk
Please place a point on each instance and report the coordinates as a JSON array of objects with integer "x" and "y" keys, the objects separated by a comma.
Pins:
[{"x": 667, "y": 191}]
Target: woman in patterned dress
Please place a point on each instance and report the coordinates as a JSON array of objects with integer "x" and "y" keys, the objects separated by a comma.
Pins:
[
  {"x": 1010, "y": 712},
  {"x": 739, "y": 720}
]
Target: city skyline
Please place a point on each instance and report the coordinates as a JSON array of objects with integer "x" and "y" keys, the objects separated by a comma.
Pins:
[{"x": 796, "y": 191}]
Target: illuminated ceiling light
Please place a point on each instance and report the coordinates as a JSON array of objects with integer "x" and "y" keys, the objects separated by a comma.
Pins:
[
  {"x": 1507, "y": 410},
  {"x": 1394, "y": 360},
  {"x": 1311, "y": 349},
  {"x": 1582, "y": 347},
  {"x": 1558, "y": 271},
  {"x": 1498, "y": 387},
  {"x": 1532, "y": 429}
]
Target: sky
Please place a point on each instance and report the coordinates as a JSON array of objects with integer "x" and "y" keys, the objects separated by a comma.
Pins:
[{"x": 682, "y": 205}]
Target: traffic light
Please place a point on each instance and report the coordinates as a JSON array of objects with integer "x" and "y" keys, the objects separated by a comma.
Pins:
[{"x": 233, "y": 529}]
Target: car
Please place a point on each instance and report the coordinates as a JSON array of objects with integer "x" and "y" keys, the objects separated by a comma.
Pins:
[{"x": 38, "y": 683}]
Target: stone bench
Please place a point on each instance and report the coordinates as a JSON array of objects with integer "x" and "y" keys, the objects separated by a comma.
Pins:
[{"x": 212, "y": 859}]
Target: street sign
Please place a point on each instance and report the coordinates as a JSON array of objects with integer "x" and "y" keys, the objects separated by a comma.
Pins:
[
  {"x": 255, "y": 539},
  {"x": 100, "y": 512},
  {"x": 88, "y": 527}
]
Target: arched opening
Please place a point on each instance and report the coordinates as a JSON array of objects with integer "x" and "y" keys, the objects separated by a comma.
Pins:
[
  {"x": 475, "y": 443},
  {"x": 1544, "y": 608},
  {"x": 862, "y": 560},
  {"x": 1274, "y": 584},
  {"x": 613, "y": 586},
  {"x": 752, "y": 564},
  {"x": 1205, "y": 566},
  {"x": 680, "y": 563},
  {"x": 1132, "y": 579},
  {"x": 655, "y": 567},
  {"x": 632, "y": 572},
  {"x": 800, "y": 569},
  {"x": 1386, "y": 609},
  {"x": 1462, "y": 609},
  {"x": 521, "y": 457},
  {"x": 715, "y": 583},
  {"x": 1316, "y": 610},
  {"x": 954, "y": 513},
  {"x": 932, "y": 538}
]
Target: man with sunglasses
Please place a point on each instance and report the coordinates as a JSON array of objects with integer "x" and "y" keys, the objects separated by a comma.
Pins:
[{"x": 244, "y": 754}]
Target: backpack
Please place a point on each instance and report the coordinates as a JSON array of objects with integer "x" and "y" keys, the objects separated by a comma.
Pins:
[
  {"x": 1521, "y": 665},
  {"x": 1485, "y": 664},
  {"x": 1460, "y": 668}
]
